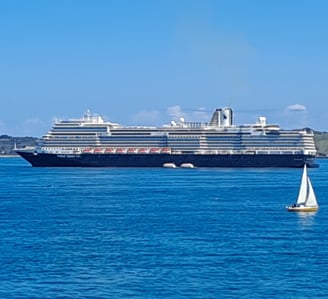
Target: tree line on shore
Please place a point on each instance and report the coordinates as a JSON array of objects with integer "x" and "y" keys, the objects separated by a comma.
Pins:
[
  {"x": 321, "y": 143},
  {"x": 8, "y": 144}
]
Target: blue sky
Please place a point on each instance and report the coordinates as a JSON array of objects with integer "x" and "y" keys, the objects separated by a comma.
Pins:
[{"x": 147, "y": 62}]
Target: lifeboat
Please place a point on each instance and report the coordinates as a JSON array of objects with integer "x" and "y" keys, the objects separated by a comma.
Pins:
[
  {"x": 169, "y": 165},
  {"x": 166, "y": 150},
  {"x": 132, "y": 151},
  {"x": 99, "y": 150},
  {"x": 110, "y": 150},
  {"x": 87, "y": 151},
  {"x": 187, "y": 165},
  {"x": 143, "y": 150},
  {"x": 155, "y": 150},
  {"x": 121, "y": 151}
]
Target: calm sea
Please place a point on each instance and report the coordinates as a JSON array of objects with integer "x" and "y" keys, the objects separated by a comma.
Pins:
[{"x": 160, "y": 233}]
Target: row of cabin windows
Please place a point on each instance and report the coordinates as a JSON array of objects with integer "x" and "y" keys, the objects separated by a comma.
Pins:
[
  {"x": 172, "y": 143},
  {"x": 249, "y": 138}
]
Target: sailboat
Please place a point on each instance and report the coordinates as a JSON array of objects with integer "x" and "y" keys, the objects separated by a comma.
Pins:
[{"x": 306, "y": 200}]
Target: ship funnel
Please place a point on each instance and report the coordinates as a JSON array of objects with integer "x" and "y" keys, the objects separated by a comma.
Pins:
[
  {"x": 221, "y": 118},
  {"x": 227, "y": 117},
  {"x": 216, "y": 119}
]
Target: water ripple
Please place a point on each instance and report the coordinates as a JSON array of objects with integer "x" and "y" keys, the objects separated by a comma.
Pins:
[{"x": 159, "y": 233}]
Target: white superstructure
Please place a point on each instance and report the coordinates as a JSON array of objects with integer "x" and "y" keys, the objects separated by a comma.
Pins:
[{"x": 91, "y": 134}]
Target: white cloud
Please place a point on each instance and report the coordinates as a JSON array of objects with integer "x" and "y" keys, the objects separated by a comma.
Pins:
[
  {"x": 175, "y": 112},
  {"x": 147, "y": 117},
  {"x": 156, "y": 117},
  {"x": 295, "y": 116},
  {"x": 199, "y": 114},
  {"x": 295, "y": 108}
]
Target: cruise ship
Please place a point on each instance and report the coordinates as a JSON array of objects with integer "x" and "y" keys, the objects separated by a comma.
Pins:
[{"x": 93, "y": 142}]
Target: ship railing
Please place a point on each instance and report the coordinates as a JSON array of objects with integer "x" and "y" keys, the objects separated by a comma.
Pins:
[
  {"x": 58, "y": 150},
  {"x": 249, "y": 152},
  {"x": 310, "y": 152},
  {"x": 269, "y": 148},
  {"x": 168, "y": 150},
  {"x": 280, "y": 152}
]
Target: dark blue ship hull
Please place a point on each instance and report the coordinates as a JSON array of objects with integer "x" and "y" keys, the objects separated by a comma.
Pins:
[{"x": 157, "y": 160}]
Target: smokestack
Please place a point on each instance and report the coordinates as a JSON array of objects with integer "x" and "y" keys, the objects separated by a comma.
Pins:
[
  {"x": 216, "y": 119},
  {"x": 227, "y": 117}
]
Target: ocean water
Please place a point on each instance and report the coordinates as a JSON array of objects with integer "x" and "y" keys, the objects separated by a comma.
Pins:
[{"x": 160, "y": 233}]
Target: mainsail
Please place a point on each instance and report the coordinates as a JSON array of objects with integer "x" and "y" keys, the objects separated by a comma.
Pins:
[{"x": 306, "y": 194}]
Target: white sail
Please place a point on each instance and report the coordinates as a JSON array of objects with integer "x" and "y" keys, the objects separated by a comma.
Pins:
[
  {"x": 311, "y": 198},
  {"x": 306, "y": 194},
  {"x": 306, "y": 200},
  {"x": 302, "y": 195}
]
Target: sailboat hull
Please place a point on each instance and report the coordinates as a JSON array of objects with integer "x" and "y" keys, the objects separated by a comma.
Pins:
[{"x": 301, "y": 209}]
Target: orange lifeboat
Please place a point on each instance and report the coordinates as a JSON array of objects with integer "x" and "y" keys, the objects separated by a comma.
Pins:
[
  {"x": 166, "y": 150},
  {"x": 155, "y": 150},
  {"x": 121, "y": 150},
  {"x": 87, "y": 151},
  {"x": 99, "y": 150},
  {"x": 143, "y": 150},
  {"x": 110, "y": 150},
  {"x": 132, "y": 151}
]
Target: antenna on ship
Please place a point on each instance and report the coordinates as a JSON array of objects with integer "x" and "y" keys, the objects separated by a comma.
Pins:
[{"x": 229, "y": 102}]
